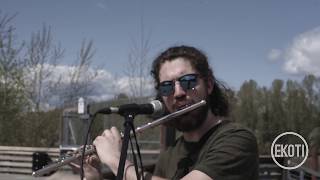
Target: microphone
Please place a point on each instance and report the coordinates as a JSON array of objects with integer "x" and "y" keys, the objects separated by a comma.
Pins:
[{"x": 155, "y": 107}]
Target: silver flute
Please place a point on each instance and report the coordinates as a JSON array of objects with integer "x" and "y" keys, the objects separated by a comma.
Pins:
[{"x": 91, "y": 150}]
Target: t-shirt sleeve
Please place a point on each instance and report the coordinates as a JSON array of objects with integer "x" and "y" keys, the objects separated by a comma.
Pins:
[{"x": 233, "y": 155}]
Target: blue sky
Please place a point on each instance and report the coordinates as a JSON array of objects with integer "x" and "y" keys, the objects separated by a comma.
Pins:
[{"x": 247, "y": 39}]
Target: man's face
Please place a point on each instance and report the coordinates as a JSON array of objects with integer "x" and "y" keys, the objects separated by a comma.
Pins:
[{"x": 180, "y": 97}]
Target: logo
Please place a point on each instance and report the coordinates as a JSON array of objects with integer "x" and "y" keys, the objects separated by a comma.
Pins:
[{"x": 297, "y": 149}]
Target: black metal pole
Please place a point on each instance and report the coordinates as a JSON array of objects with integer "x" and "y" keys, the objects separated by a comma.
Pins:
[{"x": 125, "y": 141}]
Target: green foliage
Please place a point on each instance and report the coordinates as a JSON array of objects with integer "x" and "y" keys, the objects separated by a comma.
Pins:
[
  {"x": 248, "y": 101},
  {"x": 285, "y": 106},
  {"x": 40, "y": 129},
  {"x": 12, "y": 97}
]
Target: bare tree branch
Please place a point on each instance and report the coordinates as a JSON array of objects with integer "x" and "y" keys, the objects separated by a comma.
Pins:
[
  {"x": 42, "y": 58},
  {"x": 138, "y": 63}
]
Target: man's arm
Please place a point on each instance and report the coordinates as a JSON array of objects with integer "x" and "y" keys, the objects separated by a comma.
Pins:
[{"x": 195, "y": 174}]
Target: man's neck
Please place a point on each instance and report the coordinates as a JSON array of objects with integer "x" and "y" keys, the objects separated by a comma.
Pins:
[{"x": 196, "y": 135}]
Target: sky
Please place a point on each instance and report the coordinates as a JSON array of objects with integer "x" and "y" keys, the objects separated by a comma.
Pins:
[{"x": 248, "y": 39}]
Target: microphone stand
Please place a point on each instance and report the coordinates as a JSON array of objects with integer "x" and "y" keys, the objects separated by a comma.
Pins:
[
  {"x": 128, "y": 112},
  {"x": 125, "y": 141}
]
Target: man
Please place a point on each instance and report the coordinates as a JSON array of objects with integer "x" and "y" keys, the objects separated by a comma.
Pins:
[{"x": 211, "y": 147}]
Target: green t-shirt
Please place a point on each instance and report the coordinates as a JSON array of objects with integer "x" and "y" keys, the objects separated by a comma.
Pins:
[{"x": 227, "y": 151}]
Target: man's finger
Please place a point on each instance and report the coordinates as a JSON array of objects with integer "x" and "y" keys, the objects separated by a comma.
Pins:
[
  {"x": 115, "y": 132},
  {"x": 75, "y": 165}
]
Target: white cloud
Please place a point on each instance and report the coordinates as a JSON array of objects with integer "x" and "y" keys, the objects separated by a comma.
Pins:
[
  {"x": 274, "y": 55},
  {"x": 123, "y": 85},
  {"x": 303, "y": 55},
  {"x": 105, "y": 85}
]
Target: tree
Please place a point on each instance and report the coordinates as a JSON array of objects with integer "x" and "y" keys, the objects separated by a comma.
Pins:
[
  {"x": 42, "y": 58},
  {"x": 276, "y": 108},
  {"x": 12, "y": 99},
  {"x": 311, "y": 86},
  {"x": 137, "y": 69},
  {"x": 247, "y": 107},
  {"x": 80, "y": 77},
  {"x": 265, "y": 133},
  {"x": 295, "y": 106}
]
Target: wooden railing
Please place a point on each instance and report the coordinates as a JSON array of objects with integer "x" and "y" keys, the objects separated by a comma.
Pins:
[{"x": 18, "y": 160}]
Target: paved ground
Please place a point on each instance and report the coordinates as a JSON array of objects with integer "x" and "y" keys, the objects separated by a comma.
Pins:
[{"x": 55, "y": 176}]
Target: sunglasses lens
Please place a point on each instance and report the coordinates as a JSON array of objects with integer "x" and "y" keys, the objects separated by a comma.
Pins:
[
  {"x": 188, "y": 82},
  {"x": 166, "y": 88}
]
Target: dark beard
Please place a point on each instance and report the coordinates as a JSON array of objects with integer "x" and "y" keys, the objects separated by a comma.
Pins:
[{"x": 191, "y": 120}]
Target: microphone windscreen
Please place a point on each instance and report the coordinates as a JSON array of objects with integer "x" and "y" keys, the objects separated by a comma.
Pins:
[{"x": 158, "y": 108}]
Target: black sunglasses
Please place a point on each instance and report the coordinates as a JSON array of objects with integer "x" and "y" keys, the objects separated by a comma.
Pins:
[{"x": 187, "y": 82}]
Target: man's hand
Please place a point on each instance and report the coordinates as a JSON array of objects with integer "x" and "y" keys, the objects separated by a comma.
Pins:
[
  {"x": 108, "y": 147},
  {"x": 91, "y": 167}
]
